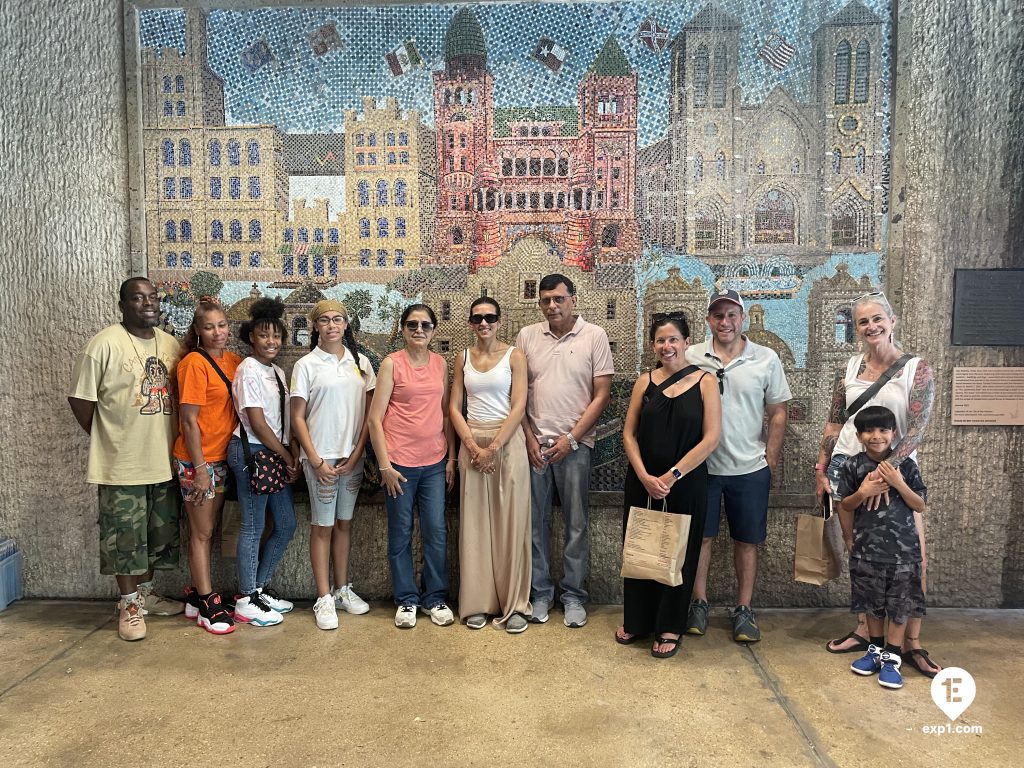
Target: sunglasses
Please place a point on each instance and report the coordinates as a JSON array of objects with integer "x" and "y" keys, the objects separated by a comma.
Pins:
[
  {"x": 489, "y": 318},
  {"x": 720, "y": 373},
  {"x": 871, "y": 295},
  {"x": 657, "y": 317},
  {"x": 556, "y": 299},
  {"x": 419, "y": 325}
]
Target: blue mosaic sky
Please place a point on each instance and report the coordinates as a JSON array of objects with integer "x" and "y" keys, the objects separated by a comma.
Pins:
[{"x": 300, "y": 92}]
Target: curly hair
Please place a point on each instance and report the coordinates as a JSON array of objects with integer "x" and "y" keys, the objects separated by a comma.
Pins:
[{"x": 264, "y": 313}]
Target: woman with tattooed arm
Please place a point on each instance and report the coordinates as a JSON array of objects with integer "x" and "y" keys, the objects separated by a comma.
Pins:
[{"x": 908, "y": 394}]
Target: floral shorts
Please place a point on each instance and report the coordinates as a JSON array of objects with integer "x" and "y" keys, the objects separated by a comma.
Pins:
[{"x": 186, "y": 472}]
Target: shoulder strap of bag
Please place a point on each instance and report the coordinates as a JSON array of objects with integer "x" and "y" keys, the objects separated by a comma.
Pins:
[
  {"x": 242, "y": 434},
  {"x": 871, "y": 391},
  {"x": 676, "y": 377}
]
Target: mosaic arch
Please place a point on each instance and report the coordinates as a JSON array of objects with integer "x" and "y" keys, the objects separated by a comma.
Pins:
[{"x": 653, "y": 152}]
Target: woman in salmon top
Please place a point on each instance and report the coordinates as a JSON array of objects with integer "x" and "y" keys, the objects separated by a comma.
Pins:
[{"x": 413, "y": 440}]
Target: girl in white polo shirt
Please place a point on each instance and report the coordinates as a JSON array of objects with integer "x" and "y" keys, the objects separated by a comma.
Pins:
[{"x": 331, "y": 391}]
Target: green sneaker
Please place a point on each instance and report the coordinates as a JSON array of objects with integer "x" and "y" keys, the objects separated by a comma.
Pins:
[
  {"x": 744, "y": 625},
  {"x": 697, "y": 619}
]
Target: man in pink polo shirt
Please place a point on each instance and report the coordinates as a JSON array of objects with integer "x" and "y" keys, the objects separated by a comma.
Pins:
[{"x": 570, "y": 368}]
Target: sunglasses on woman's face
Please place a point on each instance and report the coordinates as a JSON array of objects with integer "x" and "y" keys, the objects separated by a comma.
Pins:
[
  {"x": 489, "y": 318},
  {"x": 419, "y": 325}
]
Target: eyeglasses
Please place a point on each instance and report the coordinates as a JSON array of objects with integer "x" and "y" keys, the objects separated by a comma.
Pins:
[
  {"x": 489, "y": 318},
  {"x": 872, "y": 295},
  {"x": 720, "y": 373},
  {"x": 419, "y": 325},
  {"x": 325, "y": 321},
  {"x": 547, "y": 300}
]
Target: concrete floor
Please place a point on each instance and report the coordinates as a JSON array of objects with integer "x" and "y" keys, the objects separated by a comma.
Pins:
[{"x": 368, "y": 694}]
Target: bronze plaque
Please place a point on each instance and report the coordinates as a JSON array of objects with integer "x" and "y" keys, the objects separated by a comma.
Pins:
[
  {"x": 987, "y": 307},
  {"x": 988, "y": 396}
]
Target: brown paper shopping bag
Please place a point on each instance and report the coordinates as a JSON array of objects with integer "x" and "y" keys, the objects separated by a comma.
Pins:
[
  {"x": 816, "y": 559},
  {"x": 655, "y": 545}
]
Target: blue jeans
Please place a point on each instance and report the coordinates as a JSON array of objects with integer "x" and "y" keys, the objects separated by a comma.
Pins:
[
  {"x": 424, "y": 489},
  {"x": 254, "y": 570},
  {"x": 571, "y": 476}
]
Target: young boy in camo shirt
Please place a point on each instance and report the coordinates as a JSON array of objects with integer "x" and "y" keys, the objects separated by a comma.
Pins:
[{"x": 885, "y": 549}]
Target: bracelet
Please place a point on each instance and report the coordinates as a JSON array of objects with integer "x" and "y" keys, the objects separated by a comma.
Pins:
[
  {"x": 197, "y": 466},
  {"x": 820, "y": 467},
  {"x": 322, "y": 460}
]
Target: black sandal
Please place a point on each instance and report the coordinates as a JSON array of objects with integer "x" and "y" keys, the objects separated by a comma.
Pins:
[
  {"x": 860, "y": 647},
  {"x": 673, "y": 641},
  {"x": 933, "y": 668},
  {"x": 628, "y": 640}
]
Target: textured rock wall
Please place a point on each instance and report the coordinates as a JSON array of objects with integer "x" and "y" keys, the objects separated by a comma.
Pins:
[{"x": 958, "y": 186}]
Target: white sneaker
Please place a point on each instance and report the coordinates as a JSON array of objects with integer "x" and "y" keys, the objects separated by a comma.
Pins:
[
  {"x": 405, "y": 617},
  {"x": 326, "y": 616},
  {"x": 440, "y": 614},
  {"x": 274, "y": 600},
  {"x": 252, "y": 609},
  {"x": 346, "y": 599}
]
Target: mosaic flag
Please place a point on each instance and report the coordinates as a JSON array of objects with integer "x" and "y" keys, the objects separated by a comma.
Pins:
[
  {"x": 257, "y": 54},
  {"x": 325, "y": 39},
  {"x": 653, "y": 35},
  {"x": 550, "y": 54},
  {"x": 777, "y": 52},
  {"x": 301, "y": 249},
  {"x": 404, "y": 58}
]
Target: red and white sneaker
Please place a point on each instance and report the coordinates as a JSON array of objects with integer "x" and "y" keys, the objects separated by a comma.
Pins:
[
  {"x": 191, "y": 603},
  {"x": 212, "y": 616}
]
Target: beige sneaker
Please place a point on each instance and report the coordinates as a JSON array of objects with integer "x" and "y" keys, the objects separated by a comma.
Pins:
[
  {"x": 130, "y": 624},
  {"x": 158, "y": 605}
]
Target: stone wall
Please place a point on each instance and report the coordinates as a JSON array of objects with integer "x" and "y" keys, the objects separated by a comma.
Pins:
[{"x": 958, "y": 194}]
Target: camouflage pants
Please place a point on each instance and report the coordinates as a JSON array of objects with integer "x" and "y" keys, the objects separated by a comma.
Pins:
[{"x": 138, "y": 528}]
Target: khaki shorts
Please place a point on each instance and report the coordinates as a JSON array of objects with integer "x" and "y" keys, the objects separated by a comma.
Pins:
[{"x": 138, "y": 528}]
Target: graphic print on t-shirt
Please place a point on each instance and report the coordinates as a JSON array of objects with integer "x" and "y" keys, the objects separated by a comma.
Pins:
[{"x": 155, "y": 389}]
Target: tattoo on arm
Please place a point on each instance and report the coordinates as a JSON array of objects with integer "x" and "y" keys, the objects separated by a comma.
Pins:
[
  {"x": 828, "y": 444},
  {"x": 837, "y": 409},
  {"x": 919, "y": 411}
]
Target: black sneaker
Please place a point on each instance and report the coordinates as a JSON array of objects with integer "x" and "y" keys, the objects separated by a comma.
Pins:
[
  {"x": 213, "y": 617},
  {"x": 697, "y": 619},
  {"x": 744, "y": 625},
  {"x": 191, "y": 603}
]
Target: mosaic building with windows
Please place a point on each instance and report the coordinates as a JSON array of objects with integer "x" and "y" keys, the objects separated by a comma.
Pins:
[
  {"x": 564, "y": 173},
  {"x": 800, "y": 177},
  {"x": 213, "y": 193},
  {"x": 390, "y": 190}
]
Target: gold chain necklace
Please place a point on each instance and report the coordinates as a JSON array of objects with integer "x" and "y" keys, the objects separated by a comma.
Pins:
[{"x": 156, "y": 347}]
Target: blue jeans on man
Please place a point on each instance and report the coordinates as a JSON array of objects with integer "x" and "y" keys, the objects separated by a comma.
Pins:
[
  {"x": 424, "y": 489},
  {"x": 571, "y": 476}
]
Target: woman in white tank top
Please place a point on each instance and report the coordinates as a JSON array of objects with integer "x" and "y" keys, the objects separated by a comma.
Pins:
[
  {"x": 486, "y": 407},
  {"x": 909, "y": 395}
]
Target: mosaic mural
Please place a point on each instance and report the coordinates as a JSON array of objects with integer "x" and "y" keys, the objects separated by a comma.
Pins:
[{"x": 651, "y": 151}]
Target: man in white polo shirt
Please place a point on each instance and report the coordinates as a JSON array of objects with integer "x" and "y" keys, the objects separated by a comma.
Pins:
[
  {"x": 752, "y": 383},
  {"x": 569, "y": 366}
]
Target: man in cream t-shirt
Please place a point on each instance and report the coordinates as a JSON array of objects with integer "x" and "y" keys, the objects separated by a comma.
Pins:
[{"x": 122, "y": 395}]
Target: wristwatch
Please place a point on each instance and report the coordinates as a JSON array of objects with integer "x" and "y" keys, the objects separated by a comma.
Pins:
[
  {"x": 572, "y": 441},
  {"x": 676, "y": 473}
]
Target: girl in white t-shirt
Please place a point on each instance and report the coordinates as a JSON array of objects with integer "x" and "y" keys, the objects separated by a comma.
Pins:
[
  {"x": 260, "y": 397},
  {"x": 332, "y": 388}
]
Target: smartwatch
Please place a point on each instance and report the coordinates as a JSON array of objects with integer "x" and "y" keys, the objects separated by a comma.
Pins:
[
  {"x": 676, "y": 473},
  {"x": 572, "y": 441}
]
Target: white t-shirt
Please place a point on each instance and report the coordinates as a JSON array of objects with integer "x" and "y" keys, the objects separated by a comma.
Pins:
[
  {"x": 894, "y": 395},
  {"x": 751, "y": 381},
  {"x": 255, "y": 386},
  {"x": 335, "y": 394}
]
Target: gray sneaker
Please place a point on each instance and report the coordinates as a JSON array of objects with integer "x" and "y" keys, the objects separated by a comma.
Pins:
[
  {"x": 744, "y": 625},
  {"x": 516, "y": 624},
  {"x": 477, "y": 621},
  {"x": 540, "y": 611},
  {"x": 575, "y": 615},
  {"x": 697, "y": 620}
]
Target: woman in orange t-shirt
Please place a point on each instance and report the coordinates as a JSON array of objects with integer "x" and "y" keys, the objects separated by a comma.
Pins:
[{"x": 200, "y": 452}]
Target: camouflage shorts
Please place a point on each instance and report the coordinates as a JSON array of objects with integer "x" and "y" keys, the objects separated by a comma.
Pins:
[
  {"x": 138, "y": 528},
  {"x": 887, "y": 589}
]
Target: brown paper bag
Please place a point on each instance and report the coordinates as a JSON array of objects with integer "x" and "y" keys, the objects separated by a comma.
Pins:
[
  {"x": 655, "y": 545},
  {"x": 816, "y": 560},
  {"x": 230, "y": 525}
]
